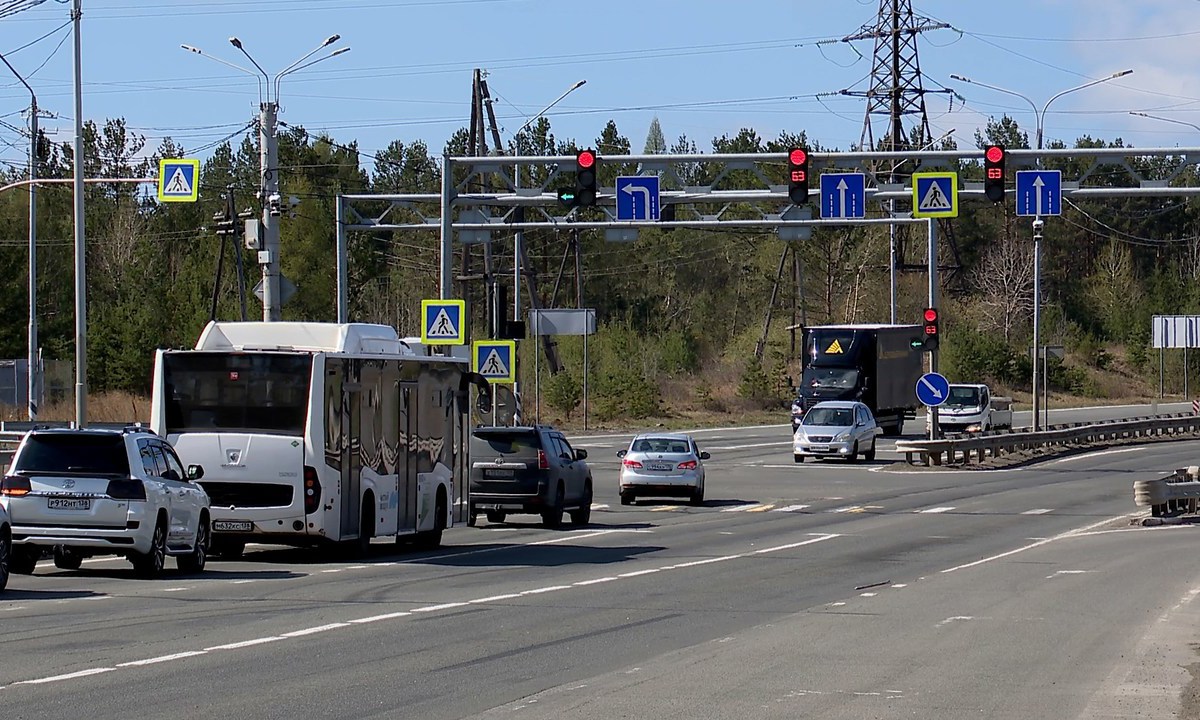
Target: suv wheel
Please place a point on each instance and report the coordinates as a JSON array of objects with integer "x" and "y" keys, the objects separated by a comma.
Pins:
[
  {"x": 698, "y": 496},
  {"x": 23, "y": 558},
  {"x": 195, "y": 561},
  {"x": 627, "y": 498},
  {"x": 553, "y": 518},
  {"x": 150, "y": 563},
  {"x": 5, "y": 556},
  {"x": 67, "y": 559},
  {"x": 583, "y": 514}
]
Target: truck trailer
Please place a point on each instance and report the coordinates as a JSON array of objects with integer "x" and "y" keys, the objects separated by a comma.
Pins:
[{"x": 878, "y": 365}]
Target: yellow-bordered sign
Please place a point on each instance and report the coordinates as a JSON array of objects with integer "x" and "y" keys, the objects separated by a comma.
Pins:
[
  {"x": 935, "y": 194},
  {"x": 178, "y": 180},
  {"x": 443, "y": 322},
  {"x": 495, "y": 360}
]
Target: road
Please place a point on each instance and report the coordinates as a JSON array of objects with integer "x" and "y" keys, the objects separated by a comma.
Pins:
[{"x": 826, "y": 590}]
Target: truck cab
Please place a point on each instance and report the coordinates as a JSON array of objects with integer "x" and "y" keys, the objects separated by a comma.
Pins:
[{"x": 973, "y": 408}]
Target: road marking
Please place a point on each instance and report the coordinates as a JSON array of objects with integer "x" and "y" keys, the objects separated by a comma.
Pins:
[
  {"x": 750, "y": 445},
  {"x": 739, "y": 508},
  {"x": 1038, "y": 511},
  {"x": 1068, "y": 572},
  {"x": 936, "y": 510},
  {"x": 1098, "y": 453},
  {"x": 176, "y": 589},
  {"x": 496, "y": 598},
  {"x": 1039, "y": 543},
  {"x": 761, "y": 508},
  {"x": 949, "y": 620},
  {"x": 848, "y": 509},
  {"x": 791, "y": 508},
  {"x": 813, "y": 538},
  {"x": 664, "y": 508}
]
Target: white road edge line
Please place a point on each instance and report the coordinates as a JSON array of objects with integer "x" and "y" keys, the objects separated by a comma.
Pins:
[{"x": 1061, "y": 536}]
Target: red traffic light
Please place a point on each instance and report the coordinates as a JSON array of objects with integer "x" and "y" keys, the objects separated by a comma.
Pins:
[
  {"x": 585, "y": 159},
  {"x": 931, "y": 315},
  {"x": 994, "y": 154},
  {"x": 798, "y": 156}
]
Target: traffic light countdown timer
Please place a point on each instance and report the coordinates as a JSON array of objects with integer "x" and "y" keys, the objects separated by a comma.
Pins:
[
  {"x": 993, "y": 167},
  {"x": 930, "y": 321}
]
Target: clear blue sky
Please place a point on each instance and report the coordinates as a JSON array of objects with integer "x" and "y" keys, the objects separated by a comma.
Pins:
[{"x": 703, "y": 67}]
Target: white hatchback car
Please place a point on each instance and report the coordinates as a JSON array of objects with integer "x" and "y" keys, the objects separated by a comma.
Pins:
[
  {"x": 836, "y": 428},
  {"x": 85, "y": 492},
  {"x": 663, "y": 465}
]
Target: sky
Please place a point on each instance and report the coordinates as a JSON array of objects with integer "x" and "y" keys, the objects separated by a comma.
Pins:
[{"x": 704, "y": 68}]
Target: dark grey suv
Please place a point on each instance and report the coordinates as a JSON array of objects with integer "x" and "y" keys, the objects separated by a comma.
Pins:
[{"x": 530, "y": 469}]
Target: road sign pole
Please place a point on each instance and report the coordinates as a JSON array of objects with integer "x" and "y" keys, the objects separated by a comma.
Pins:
[
  {"x": 1037, "y": 315},
  {"x": 934, "y": 430}
]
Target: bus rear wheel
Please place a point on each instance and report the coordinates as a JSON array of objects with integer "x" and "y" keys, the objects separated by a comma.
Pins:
[{"x": 432, "y": 539}]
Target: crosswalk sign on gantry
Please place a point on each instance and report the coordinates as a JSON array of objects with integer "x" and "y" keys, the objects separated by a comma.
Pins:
[
  {"x": 935, "y": 195},
  {"x": 495, "y": 360},
  {"x": 178, "y": 180},
  {"x": 442, "y": 322}
]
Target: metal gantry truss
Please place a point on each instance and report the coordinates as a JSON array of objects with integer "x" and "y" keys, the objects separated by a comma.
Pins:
[{"x": 756, "y": 200}]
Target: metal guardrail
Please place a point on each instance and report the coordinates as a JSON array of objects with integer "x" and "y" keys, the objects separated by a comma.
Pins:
[
  {"x": 1179, "y": 491},
  {"x": 978, "y": 447}
]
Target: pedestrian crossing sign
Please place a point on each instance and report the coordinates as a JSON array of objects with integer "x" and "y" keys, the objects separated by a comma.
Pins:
[
  {"x": 178, "y": 180},
  {"x": 494, "y": 359},
  {"x": 442, "y": 322},
  {"x": 935, "y": 195}
]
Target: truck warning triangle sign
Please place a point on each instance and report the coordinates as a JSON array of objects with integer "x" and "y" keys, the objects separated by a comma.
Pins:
[{"x": 835, "y": 348}]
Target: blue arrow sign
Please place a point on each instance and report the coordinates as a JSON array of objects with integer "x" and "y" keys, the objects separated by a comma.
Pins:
[
  {"x": 442, "y": 322},
  {"x": 933, "y": 389},
  {"x": 493, "y": 359},
  {"x": 637, "y": 197},
  {"x": 843, "y": 195},
  {"x": 1039, "y": 192}
]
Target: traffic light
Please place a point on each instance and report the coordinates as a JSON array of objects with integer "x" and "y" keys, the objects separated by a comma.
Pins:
[
  {"x": 931, "y": 328},
  {"x": 585, "y": 178},
  {"x": 798, "y": 175},
  {"x": 993, "y": 168}
]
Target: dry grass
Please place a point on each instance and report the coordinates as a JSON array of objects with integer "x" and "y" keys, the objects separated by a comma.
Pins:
[{"x": 107, "y": 407}]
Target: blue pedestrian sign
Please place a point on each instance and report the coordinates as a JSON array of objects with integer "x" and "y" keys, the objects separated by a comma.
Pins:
[
  {"x": 442, "y": 322},
  {"x": 1039, "y": 192},
  {"x": 935, "y": 194},
  {"x": 493, "y": 359},
  {"x": 637, "y": 197},
  {"x": 178, "y": 180},
  {"x": 933, "y": 389},
  {"x": 843, "y": 195}
]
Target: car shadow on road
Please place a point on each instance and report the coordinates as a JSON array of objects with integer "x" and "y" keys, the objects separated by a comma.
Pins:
[
  {"x": 504, "y": 555},
  {"x": 17, "y": 595},
  {"x": 173, "y": 575},
  {"x": 728, "y": 502}
]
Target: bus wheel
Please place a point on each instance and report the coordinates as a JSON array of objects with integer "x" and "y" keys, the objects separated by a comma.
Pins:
[
  {"x": 366, "y": 529},
  {"x": 432, "y": 539}
]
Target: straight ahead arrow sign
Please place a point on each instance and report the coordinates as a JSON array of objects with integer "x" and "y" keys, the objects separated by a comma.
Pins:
[{"x": 1037, "y": 192}]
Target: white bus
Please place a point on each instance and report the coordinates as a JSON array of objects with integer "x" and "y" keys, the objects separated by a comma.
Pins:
[{"x": 316, "y": 433}]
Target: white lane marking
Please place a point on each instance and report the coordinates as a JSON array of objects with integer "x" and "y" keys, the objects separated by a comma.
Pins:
[
  {"x": 243, "y": 582},
  {"x": 600, "y": 507},
  {"x": 176, "y": 589},
  {"x": 665, "y": 508},
  {"x": 750, "y": 445},
  {"x": 378, "y": 618},
  {"x": 597, "y": 581},
  {"x": 848, "y": 509},
  {"x": 496, "y": 598},
  {"x": 163, "y": 658},
  {"x": 761, "y": 508},
  {"x": 867, "y": 594},
  {"x": 1038, "y": 511},
  {"x": 1068, "y": 572},
  {"x": 314, "y": 630},
  {"x": 582, "y": 438},
  {"x": 814, "y": 538},
  {"x": 1098, "y": 453},
  {"x": 900, "y": 585},
  {"x": 949, "y": 620},
  {"x": 358, "y": 567},
  {"x": 1039, "y": 543},
  {"x": 936, "y": 509},
  {"x": 245, "y": 643},
  {"x": 333, "y": 570},
  {"x": 435, "y": 608},
  {"x": 739, "y": 508},
  {"x": 791, "y": 508},
  {"x": 836, "y": 604}
]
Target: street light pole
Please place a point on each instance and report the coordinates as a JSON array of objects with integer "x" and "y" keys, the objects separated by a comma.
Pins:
[
  {"x": 1165, "y": 119},
  {"x": 80, "y": 265},
  {"x": 32, "y": 372},
  {"x": 1039, "y": 118},
  {"x": 268, "y": 257}
]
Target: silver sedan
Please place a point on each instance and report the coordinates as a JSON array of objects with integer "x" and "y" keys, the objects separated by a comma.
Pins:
[
  {"x": 662, "y": 465},
  {"x": 836, "y": 428}
]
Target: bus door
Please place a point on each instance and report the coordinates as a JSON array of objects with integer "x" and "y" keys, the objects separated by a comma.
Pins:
[
  {"x": 351, "y": 486},
  {"x": 406, "y": 461}
]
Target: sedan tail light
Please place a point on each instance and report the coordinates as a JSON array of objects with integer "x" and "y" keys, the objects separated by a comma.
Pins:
[
  {"x": 312, "y": 490},
  {"x": 126, "y": 489},
  {"x": 632, "y": 464},
  {"x": 543, "y": 461},
  {"x": 687, "y": 465},
  {"x": 14, "y": 486}
]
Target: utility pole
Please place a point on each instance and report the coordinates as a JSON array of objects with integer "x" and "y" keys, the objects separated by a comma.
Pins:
[{"x": 80, "y": 266}]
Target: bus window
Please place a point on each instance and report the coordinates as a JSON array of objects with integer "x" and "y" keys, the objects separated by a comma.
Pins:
[{"x": 236, "y": 392}]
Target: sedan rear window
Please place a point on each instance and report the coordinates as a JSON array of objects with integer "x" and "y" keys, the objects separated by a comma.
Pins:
[
  {"x": 73, "y": 453},
  {"x": 660, "y": 445}
]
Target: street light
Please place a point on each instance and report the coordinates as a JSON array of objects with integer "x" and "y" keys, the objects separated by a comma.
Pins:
[
  {"x": 1164, "y": 119},
  {"x": 32, "y": 400},
  {"x": 1039, "y": 117},
  {"x": 268, "y": 258},
  {"x": 519, "y": 236}
]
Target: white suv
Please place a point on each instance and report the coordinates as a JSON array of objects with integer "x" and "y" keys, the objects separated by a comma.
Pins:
[{"x": 103, "y": 492}]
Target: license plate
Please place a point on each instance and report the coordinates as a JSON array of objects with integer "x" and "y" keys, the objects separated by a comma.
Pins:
[
  {"x": 659, "y": 466},
  {"x": 69, "y": 503},
  {"x": 820, "y": 448},
  {"x": 498, "y": 473},
  {"x": 233, "y": 525}
]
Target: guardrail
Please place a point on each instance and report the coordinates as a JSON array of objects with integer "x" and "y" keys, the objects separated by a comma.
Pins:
[
  {"x": 1179, "y": 491},
  {"x": 979, "y": 447}
]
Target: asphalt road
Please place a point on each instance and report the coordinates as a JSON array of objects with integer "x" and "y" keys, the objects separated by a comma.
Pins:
[{"x": 823, "y": 590}]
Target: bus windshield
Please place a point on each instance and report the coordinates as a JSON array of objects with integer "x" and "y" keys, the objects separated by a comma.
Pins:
[{"x": 236, "y": 392}]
